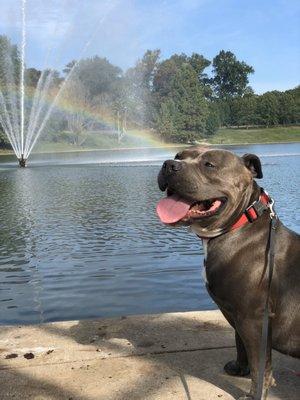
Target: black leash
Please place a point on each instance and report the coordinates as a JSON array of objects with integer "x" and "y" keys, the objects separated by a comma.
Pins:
[{"x": 266, "y": 322}]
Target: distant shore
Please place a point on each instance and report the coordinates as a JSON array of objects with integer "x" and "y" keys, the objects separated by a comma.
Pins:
[
  {"x": 274, "y": 135},
  {"x": 228, "y": 137}
]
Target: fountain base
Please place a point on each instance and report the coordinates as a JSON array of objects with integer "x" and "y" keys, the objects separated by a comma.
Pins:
[{"x": 22, "y": 162}]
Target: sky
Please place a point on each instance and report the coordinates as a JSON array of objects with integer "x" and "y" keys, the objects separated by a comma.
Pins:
[{"x": 264, "y": 34}]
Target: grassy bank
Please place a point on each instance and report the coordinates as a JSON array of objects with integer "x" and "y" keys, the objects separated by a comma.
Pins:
[
  {"x": 223, "y": 136},
  {"x": 262, "y": 135}
]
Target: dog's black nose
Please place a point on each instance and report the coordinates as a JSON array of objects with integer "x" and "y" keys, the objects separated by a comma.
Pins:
[{"x": 171, "y": 166}]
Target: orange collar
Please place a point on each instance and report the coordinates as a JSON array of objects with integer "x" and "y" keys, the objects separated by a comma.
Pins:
[{"x": 255, "y": 210}]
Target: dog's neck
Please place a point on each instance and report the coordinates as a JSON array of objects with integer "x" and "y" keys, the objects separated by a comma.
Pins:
[{"x": 207, "y": 234}]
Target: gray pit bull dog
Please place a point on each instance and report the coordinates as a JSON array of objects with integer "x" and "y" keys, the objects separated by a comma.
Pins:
[{"x": 210, "y": 190}]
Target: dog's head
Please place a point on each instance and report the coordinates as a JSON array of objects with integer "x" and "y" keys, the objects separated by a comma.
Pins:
[{"x": 206, "y": 188}]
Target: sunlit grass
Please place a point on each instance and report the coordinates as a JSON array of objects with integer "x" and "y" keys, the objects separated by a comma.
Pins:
[{"x": 262, "y": 135}]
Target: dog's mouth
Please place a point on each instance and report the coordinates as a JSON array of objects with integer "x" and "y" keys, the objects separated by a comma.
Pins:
[{"x": 174, "y": 208}]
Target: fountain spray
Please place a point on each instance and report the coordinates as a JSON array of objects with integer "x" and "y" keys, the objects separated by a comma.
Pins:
[
  {"x": 23, "y": 137},
  {"x": 22, "y": 161}
]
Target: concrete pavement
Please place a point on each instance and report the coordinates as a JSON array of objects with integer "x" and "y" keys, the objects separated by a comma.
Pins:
[{"x": 178, "y": 356}]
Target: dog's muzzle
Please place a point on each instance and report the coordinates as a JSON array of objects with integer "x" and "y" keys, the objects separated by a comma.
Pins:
[{"x": 168, "y": 170}]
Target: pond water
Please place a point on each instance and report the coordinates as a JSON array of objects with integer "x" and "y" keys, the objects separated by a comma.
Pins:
[{"x": 79, "y": 237}]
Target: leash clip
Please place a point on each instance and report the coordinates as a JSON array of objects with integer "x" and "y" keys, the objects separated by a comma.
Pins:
[
  {"x": 271, "y": 204},
  {"x": 272, "y": 210}
]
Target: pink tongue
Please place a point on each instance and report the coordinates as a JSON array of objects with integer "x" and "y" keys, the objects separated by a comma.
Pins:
[
  {"x": 172, "y": 209},
  {"x": 216, "y": 204}
]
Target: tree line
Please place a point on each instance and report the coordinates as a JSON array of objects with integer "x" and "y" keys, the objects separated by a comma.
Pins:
[{"x": 182, "y": 98}]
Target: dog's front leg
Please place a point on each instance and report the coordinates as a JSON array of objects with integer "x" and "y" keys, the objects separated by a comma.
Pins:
[
  {"x": 238, "y": 367},
  {"x": 250, "y": 331}
]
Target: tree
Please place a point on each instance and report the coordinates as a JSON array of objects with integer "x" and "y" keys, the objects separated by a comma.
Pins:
[
  {"x": 180, "y": 100},
  {"x": 102, "y": 85},
  {"x": 167, "y": 123},
  {"x": 199, "y": 64},
  {"x": 212, "y": 122},
  {"x": 4, "y": 142},
  {"x": 32, "y": 77},
  {"x": 287, "y": 112},
  {"x": 10, "y": 63},
  {"x": 230, "y": 75},
  {"x": 10, "y": 68},
  {"x": 56, "y": 79},
  {"x": 164, "y": 76},
  {"x": 188, "y": 95},
  {"x": 268, "y": 107},
  {"x": 68, "y": 68},
  {"x": 78, "y": 119},
  {"x": 243, "y": 110},
  {"x": 248, "y": 111},
  {"x": 295, "y": 93},
  {"x": 96, "y": 74},
  {"x": 145, "y": 69},
  {"x": 139, "y": 88}
]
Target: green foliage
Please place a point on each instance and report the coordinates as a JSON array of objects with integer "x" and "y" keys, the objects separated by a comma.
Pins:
[
  {"x": 174, "y": 97},
  {"x": 268, "y": 107},
  {"x": 230, "y": 75},
  {"x": 97, "y": 75},
  {"x": 243, "y": 111},
  {"x": 32, "y": 77},
  {"x": 167, "y": 123},
  {"x": 69, "y": 67},
  {"x": 4, "y": 143},
  {"x": 10, "y": 63},
  {"x": 179, "y": 92},
  {"x": 199, "y": 64},
  {"x": 139, "y": 89},
  {"x": 247, "y": 112},
  {"x": 212, "y": 123},
  {"x": 287, "y": 109},
  {"x": 10, "y": 67}
]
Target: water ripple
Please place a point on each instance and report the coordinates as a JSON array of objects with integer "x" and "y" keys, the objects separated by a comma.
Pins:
[{"x": 85, "y": 242}]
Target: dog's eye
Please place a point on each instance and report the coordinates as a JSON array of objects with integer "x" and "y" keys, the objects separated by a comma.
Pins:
[{"x": 209, "y": 165}]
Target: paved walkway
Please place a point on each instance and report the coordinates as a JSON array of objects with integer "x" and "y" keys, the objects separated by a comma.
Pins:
[{"x": 178, "y": 356}]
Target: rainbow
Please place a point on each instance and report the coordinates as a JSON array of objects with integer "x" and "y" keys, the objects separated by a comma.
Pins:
[{"x": 103, "y": 116}]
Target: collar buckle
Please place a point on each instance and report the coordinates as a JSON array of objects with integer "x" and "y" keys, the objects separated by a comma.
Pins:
[{"x": 255, "y": 210}]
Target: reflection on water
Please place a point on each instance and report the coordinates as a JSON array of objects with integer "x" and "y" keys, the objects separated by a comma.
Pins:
[{"x": 82, "y": 240}]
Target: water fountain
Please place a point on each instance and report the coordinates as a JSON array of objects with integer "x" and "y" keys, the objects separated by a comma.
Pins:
[
  {"x": 21, "y": 119},
  {"x": 12, "y": 98},
  {"x": 24, "y": 110}
]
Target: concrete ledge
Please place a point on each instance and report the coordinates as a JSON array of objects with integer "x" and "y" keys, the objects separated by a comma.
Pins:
[{"x": 166, "y": 356}]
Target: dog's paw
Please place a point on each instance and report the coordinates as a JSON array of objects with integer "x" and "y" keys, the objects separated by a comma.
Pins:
[{"x": 233, "y": 368}]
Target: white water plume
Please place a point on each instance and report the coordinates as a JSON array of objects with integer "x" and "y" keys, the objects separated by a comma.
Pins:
[
  {"x": 21, "y": 124},
  {"x": 22, "y": 83},
  {"x": 64, "y": 84},
  {"x": 9, "y": 101}
]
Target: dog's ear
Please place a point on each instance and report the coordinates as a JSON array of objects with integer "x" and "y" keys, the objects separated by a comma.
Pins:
[{"x": 252, "y": 162}]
